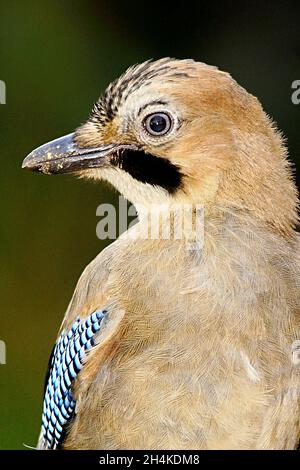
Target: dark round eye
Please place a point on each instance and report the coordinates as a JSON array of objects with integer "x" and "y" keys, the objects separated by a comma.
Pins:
[{"x": 157, "y": 124}]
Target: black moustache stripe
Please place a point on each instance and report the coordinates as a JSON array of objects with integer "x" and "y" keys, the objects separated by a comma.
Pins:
[{"x": 149, "y": 169}]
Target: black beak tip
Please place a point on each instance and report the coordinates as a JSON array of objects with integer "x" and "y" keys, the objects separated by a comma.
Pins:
[
  {"x": 48, "y": 157},
  {"x": 32, "y": 164},
  {"x": 26, "y": 164}
]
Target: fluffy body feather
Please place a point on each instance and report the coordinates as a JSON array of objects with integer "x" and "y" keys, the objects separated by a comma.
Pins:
[{"x": 203, "y": 355}]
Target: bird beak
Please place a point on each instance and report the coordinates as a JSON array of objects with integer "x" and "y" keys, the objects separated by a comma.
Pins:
[{"x": 63, "y": 155}]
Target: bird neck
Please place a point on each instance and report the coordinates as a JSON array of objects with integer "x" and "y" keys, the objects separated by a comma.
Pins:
[{"x": 172, "y": 222}]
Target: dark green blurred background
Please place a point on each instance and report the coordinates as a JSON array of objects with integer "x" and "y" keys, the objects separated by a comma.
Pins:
[{"x": 56, "y": 57}]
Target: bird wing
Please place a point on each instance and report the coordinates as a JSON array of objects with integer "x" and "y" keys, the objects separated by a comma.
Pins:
[{"x": 86, "y": 332}]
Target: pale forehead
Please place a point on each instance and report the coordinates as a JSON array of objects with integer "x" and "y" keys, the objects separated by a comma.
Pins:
[
  {"x": 154, "y": 94},
  {"x": 143, "y": 81}
]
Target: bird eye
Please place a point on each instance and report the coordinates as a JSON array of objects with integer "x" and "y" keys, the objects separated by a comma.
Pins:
[{"x": 157, "y": 124}]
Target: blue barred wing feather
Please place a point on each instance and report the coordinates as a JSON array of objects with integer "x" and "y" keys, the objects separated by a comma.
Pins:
[{"x": 67, "y": 360}]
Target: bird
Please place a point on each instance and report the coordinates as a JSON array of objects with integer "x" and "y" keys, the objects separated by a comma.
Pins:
[{"x": 181, "y": 342}]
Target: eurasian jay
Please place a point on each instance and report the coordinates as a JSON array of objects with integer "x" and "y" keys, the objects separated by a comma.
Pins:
[{"x": 168, "y": 344}]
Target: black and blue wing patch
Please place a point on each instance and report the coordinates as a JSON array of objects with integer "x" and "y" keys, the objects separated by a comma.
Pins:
[{"x": 65, "y": 364}]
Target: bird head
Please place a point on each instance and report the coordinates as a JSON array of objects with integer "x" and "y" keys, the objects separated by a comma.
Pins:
[{"x": 179, "y": 131}]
